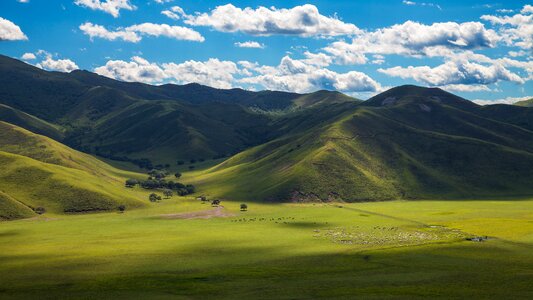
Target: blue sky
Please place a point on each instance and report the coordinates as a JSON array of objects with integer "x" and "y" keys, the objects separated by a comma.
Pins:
[{"x": 479, "y": 50}]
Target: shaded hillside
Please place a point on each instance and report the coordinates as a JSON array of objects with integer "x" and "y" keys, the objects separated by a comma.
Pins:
[
  {"x": 132, "y": 121},
  {"x": 40, "y": 172},
  {"x": 34, "y": 124},
  {"x": 425, "y": 143}
]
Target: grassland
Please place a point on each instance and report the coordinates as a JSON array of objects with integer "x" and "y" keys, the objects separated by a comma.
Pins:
[{"x": 393, "y": 250}]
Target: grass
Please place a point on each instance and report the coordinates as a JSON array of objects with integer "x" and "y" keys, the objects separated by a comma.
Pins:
[{"x": 285, "y": 251}]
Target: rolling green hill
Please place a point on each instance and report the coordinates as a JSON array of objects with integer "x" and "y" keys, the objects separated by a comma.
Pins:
[
  {"x": 34, "y": 124},
  {"x": 407, "y": 143},
  {"x": 40, "y": 172}
]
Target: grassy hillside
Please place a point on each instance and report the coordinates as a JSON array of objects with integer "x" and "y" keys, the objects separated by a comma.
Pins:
[
  {"x": 132, "y": 121},
  {"x": 40, "y": 172},
  {"x": 416, "y": 147},
  {"x": 34, "y": 124},
  {"x": 11, "y": 209},
  {"x": 526, "y": 103}
]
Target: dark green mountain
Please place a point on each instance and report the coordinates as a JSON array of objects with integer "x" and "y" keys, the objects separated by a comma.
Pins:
[
  {"x": 408, "y": 142},
  {"x": 162, "y": 123}
]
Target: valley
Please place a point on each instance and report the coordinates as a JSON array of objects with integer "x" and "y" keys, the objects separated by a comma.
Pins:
[{"x": 413, "y": 193}]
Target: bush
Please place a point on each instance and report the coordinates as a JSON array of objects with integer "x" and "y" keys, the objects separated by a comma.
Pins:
[
  {"x": 154, "y": 197},
  {"x": 244, "y": 207},
  {"x": 131, "y": 183},
  {"x": 121, "y": 208},
  {"x": 40, "y": 210}
]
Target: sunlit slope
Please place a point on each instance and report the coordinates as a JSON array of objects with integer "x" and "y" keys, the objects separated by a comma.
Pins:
[
  {"x": 416, "y": 147},
  {"x": 16, "y": 140},
  {"x": 24, "y": 120},
  {"x": 527, "y": 103},
  {"x": 11, "y": 209},
  {"x": 39, "y": 172}
]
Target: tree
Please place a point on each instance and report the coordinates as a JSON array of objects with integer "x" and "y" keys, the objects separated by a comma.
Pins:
[
  {"x": 180, "y": 162},
  {"x": 131, "y": 183},
  {"x": 168, "y": 193},
  {"x": 191, "y": 167},
  {"x": 154, "y": 197},
  {"x": 177, "y": 175},
  {"x": 121, "y": 208},
  {"x": 215, "y": 202},
  {"x": 244, "y": 207},
  {"x": 190, "y": 188}
]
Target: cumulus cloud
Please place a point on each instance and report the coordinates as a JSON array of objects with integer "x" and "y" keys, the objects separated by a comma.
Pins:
[
  {"x": 414, "y": 39},
  {"x": 99, "y": 31},
  {"x": 28, "y": 56},
  {"x": 516, "y": 30},
  {"x": 174, "y": 12},
  {"x": 9, "y": 31},
  {"x": 303, "y": 21},
  {"x": 213, "y": 72},
  {"x": 60, "y": 65},
  {"x": 134, "y": 33},
  {"x": 163, "y": 1},
  {"x": 249, "y": 44},
  {"x": 455, "y": 72},
  {"x": 303, "y": 76},
  {"x": 111, "y": 7},
  {"x": 508, "y": 100}
]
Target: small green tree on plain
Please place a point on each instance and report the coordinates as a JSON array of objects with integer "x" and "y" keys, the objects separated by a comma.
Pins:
[
  {"x": 167, "y": 193},
  {"x": 177, "y": 175},
  {"x": 244, "y": 207},
  {"x": 121, "y": 208},
  {"x": 154, "y": 197}
]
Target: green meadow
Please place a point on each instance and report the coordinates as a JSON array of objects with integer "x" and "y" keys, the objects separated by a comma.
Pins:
[{"x": 396, "y": 249}]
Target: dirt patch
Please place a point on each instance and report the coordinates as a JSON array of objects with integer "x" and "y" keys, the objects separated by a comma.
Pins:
[{"x": 218, "y": 212}]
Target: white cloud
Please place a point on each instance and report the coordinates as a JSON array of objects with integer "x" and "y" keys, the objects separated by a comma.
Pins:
[
  {"x": 213, "y": 72},
  {"x": 455, "y": 72},
  {"x": 163, "y": 1},
  {"x": 9, "y": 31},
  {"x": 414, "y": 39},
  {"x": 508, "y": 100},
  {"x": 111, "y": 7},
  {"x": 133, "y": 33},
  {"x": 174, "y": 12},
  {"x": 303, "y": 76},
  {"x": 136, "y": 70},
  {"x": 24, "y": 1},
  {"x": 249, "y": 44},
  {"x": 98, "y": 31},
  {"x": 429, "y": 4},
  {"x": 465, "y": 88},
  {"x": 516, "y": 30},
  {"x": 28, "y": 56},
  {"x": 61, "y": 65},
  {"x": 303, "y": 21}
]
